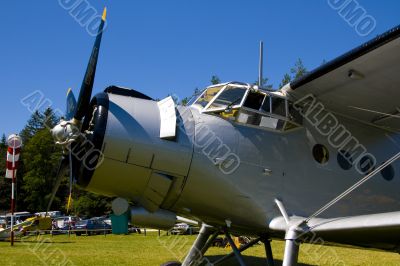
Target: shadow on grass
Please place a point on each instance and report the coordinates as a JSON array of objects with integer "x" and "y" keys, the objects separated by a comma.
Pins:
[
  {"x": 47, "y": 242},
  {"x": 40, "y": 240},
  {"x": 249, "y": 260}
]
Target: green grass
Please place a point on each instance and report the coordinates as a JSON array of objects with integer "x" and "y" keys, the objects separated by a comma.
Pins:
[{"x": 137, "y": 249}]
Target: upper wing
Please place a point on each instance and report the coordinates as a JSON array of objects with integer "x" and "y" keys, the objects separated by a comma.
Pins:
[
  {"x": 363, "y": 84},
  {"x": 374, "y": 230}
]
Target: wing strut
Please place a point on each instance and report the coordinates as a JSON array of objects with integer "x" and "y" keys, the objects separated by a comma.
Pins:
[{"x": 297, "y": 229}]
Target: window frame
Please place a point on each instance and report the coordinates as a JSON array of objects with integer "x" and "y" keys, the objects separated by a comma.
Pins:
[
  {"x": 199, "y": 95},
  {"x": 207, "y": 108},
  {"x": 287, "y": 118}
]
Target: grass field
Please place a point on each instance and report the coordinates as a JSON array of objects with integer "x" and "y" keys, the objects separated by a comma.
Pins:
[{"x": 136, "y": 249}]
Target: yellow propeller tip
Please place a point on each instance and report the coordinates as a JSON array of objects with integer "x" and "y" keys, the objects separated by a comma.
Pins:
[{"x": 104, "y": 14}]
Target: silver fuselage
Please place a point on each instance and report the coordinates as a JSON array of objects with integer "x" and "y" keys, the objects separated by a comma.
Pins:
[{"x": 272, "y": 165}]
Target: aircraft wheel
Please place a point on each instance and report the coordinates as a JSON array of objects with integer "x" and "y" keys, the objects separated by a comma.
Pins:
[{"x": 171, "y": 263}]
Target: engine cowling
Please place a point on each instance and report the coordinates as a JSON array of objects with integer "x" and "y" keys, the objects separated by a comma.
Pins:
[{"x": 128, "y": 157}]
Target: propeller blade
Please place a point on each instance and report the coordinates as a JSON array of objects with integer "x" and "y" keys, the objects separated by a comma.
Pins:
[
  {"x": 62, "y": 169},
  {"x": 87, "y": 83},
  {"x": 70, "y": 182},
  {"x": 71, "y": 105},
  {"x": 69, "y": 201}
]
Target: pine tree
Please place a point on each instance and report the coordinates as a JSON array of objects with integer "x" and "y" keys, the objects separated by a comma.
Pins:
[
  {"x": 49, "y": 118},
  {"x": 298, "y": 70},
  {"x": 3, "y": 142},
  {"x": 37, "y": 162},
  {"x": 285, "y": 80},
  {"x": 40, "y": 159},
  {"x": 215, "y": 80},
  {"x": 35, "y": 123}
]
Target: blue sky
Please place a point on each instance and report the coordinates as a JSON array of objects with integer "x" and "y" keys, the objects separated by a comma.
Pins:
[{"x": 163, "y": 47}]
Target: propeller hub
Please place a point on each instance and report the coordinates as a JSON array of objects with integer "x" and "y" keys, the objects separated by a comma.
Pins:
[{"x": 65, "y": 132}]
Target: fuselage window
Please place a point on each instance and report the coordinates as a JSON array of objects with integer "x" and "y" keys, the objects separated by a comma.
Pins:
[
  {"x": 320, "y": 153},
  {"x": 388, "y": 172}
]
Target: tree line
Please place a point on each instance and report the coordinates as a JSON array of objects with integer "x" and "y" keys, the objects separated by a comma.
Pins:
[{"x": 37, "y": 170}]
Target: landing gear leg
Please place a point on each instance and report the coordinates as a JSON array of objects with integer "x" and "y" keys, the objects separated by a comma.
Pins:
[
  {"x": 199, "y": 246},
  {"x": 268, "y": 252},
  {"x": 292, "y": 247},
  {"x": 235, "y": 249},
  {"x": 240, "y": 249}
]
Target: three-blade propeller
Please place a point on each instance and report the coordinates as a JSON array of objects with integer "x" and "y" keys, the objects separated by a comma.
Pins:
[{"x": 67, "y": 131}]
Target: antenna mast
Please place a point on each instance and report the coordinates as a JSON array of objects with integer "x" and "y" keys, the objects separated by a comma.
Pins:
[{"x": 260, "y": 65}]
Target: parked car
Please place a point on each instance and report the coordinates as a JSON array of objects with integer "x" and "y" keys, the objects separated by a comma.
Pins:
[
  {"x": 91, "y": 227},
  {"x": 52, "y": 214},
  {"x": 64, "y": 222},
  {"x": 184, "y": 229},
  {"x": 104, "y": 218}
]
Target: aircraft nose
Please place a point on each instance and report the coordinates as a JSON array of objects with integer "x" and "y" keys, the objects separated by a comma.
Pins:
[{"x": 136, "y": 162}]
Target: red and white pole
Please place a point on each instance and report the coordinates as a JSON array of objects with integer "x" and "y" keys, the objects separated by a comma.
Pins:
[
  {"x": 14, "y": 142},
  {"x": 13, "y": 196}
]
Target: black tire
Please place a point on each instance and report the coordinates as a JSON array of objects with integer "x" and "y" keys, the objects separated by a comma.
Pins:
[
  {"x": 78, "y": 233},
  {"x": 171, "y": 263}
]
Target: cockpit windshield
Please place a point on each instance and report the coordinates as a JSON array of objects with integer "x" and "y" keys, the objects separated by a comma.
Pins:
[
  {"x": 229, "y": 97},
  {"x": 220, "y": 97},
  {"x": 207, "y": 95}
]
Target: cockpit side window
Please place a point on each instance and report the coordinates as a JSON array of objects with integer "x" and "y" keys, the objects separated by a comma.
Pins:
[
  {"x": 266, "y": 105},
  {"x": 254, "y": 100},
  {"x": 279, "y": 106}
]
